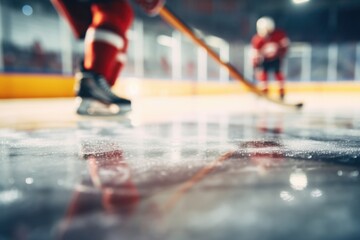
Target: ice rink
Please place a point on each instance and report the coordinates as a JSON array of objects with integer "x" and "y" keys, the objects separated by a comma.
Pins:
[{"x": 215, "y": 167}]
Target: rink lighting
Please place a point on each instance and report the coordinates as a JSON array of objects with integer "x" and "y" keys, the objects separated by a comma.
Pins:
[
  {"x": 29, "y": 181},
  {"x": 300, "y": 1},
  {"x": 215, "y": 41},
  {"x": 165, "y": 40},
  {"x": 27, "y": 10},
  {"x": 298, "y": 180},
  {"x": 286, "y": 196}
]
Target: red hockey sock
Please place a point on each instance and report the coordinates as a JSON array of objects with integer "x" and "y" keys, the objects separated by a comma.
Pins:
[
  {"x": 279, "y": 76},
  {"x": 281, "y": 79},
  {"x": 101, "y": 49},
  {"x": 117, "y": 67},
  {"x": 106, "y": 37},
  {"x": 263, "y": 78},
  {"x": 99, "y": 57}
]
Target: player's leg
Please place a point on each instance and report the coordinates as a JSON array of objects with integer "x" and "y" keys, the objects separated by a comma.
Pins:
[
  {"x": 263, "y": 79},
  {"x": 106, "y": 36},
  {"x": 279, "y": 76},
  {"x": 118, "y": 64},
  {"x": 104, "y": 40},
  {"x": 117, "y": 67},
  {"x": 281, "y": 79},
  {"x": 262, "y": 76}
]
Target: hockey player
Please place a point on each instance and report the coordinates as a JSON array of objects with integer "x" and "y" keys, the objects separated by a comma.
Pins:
[
  {"x": 269, "y": 47},
  {"x": 103, "y": 25}
]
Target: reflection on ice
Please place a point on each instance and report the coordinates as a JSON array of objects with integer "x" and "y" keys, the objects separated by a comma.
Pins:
[
  {"x": 298, "y": 180},
  {"x": 287, "y": 196},
  {"x": 9, "y": 196},
  {"x": 174, "y": 179},
  {"x": 29, "y": 180},
  {"x": 316, "y": 193},
  {"x": 354, "y": 174}
]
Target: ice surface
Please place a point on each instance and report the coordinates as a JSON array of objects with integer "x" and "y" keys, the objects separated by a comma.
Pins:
[{"x": 211, "y": 169}]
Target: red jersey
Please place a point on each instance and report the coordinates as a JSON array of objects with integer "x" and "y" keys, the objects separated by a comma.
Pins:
[{"x": 270, "y": 47}]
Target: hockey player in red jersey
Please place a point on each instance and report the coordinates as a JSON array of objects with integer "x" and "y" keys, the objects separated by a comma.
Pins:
[
  {"x": 269, "y": 47},
  {"x": 103, "y": 25}
]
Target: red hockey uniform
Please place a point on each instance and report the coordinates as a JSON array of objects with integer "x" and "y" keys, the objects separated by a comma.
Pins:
[
  {"x": 271, "y": 47},
  {"x": 103, "y": 24},
  {"x": 269, "y": 52}
]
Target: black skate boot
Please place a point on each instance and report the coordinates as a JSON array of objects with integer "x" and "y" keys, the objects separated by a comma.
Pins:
[
  {"x": 95, "y": 97},
  {"x": 282, "y": 94}
]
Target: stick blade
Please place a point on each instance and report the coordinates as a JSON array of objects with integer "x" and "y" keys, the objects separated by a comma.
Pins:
[{"x": 299, "y": 105}]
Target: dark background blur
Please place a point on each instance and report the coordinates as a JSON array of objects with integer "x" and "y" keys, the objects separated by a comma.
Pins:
[
  {"x": 325, "y": 39},
  {"x": 313, "y": 21}
]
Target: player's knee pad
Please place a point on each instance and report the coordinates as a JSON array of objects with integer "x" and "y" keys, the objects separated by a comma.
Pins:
[{"x": 114, "y": 16}]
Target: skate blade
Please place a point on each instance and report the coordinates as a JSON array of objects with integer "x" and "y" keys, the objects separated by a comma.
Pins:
[{"x": 89, "y": 107}]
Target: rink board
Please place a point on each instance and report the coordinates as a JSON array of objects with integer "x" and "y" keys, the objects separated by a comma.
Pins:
[{"x": 42, "y": 86}]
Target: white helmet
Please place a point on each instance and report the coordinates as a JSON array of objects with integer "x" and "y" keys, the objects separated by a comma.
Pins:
[{"x": 265, "y": 26}]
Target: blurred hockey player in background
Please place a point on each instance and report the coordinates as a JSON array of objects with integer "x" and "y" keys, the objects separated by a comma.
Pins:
[
  {"x": 269, "y": 49},
  {"x": 103, "y": 25}
]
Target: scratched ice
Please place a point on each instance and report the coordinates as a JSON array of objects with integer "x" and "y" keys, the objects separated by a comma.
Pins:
[{"x": 220, "y": 176}]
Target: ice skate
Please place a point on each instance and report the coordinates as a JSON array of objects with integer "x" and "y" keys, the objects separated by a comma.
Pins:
[
  {"x": 95, "y": 98},
  {"x": 282, "y": 97},
  {"x": 282, "y": 94}
]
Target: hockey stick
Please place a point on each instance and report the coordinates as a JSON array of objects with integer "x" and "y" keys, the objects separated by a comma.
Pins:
[
  {"x": 178, "y": 24},
  {"x": 195, "y": 179}
]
